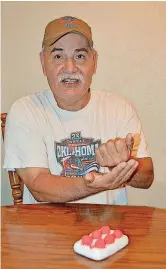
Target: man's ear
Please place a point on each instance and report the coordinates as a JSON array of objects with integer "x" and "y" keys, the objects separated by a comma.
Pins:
[
  {"x": 42, "y": 62},
  {"x": 95, "y": 59}
]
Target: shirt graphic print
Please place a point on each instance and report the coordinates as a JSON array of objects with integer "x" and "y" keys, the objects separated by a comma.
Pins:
[{"x": 76, "y": 155}]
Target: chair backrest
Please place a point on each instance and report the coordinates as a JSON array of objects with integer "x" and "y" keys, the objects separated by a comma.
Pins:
[{"x": 16, "y": 183}]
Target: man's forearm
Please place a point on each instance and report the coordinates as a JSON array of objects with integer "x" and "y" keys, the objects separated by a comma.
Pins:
[
  {"x": 143, "y": 177},
  {"x": 57, "y": 189}
]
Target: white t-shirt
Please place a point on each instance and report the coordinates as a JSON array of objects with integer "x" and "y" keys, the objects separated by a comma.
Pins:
[{"x": 40, "y": 134}]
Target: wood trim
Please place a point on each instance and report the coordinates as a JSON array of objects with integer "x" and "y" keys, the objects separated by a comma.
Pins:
[{"x": 16, "y": 183}]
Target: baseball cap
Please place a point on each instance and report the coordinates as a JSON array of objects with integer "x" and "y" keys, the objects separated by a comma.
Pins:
[{"x": 61, "y": 26}]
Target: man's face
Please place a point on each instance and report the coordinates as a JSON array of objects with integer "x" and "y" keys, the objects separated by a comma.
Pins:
[{"x": 69, "y": 65}]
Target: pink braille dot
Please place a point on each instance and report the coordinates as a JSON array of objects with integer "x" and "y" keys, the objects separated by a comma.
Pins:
[
  {"x": 100, "y": 243},
  {"x": 118, "y": 233},
  {"x": 96, "y": 234},
  {"x": 87, "y": 240},
  {"x": 109, "y": 238},
  {"x": 105, "y": 229}
]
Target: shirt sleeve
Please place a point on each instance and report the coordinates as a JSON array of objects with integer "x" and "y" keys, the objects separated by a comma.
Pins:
[
  {"x": 129, "y": 122},
  {"x": 24, "y": 143}
]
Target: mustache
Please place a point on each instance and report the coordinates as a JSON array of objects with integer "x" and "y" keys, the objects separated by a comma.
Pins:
[{"x": 64, "y": 76}]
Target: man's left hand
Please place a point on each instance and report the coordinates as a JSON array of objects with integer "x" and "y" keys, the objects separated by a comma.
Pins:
[{"x": 113, "y": 152}]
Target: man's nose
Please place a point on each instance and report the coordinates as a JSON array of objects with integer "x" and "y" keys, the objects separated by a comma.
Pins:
[{"x": 70, "y": 66}]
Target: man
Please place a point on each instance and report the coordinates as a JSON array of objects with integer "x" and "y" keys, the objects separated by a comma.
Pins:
[{"x": 70, "y": 142}]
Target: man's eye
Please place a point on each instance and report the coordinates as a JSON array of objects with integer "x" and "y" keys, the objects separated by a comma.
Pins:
[
  {"x": 80, "y": 56},
  {"x": 58, "y": 56}
]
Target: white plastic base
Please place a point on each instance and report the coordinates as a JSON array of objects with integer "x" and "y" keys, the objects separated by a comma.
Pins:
[{"x": 99, "y": 254}]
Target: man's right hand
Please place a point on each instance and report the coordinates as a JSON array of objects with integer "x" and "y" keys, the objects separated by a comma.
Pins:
[{"x": 119, "y": 175}]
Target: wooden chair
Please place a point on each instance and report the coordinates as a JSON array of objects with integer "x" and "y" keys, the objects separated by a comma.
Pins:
[{"x": 15, "y": 181}]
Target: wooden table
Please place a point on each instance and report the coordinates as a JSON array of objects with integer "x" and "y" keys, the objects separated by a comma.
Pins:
[{"x": 42, "y": 236}]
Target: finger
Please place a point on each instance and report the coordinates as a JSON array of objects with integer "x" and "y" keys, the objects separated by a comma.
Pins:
[
  {"x": 110, "y": 177},
  {"x": 89, "y": 177},
  {"x": 112, "y": 152},
  {"x": 106, "y": 181},
  {"x": 111, "y": 145},
  {"x": 102, "y": 155},
  {"x": 115, "y": 171},
  {"x": 122, "y": 149},
  {"x": 129, "y": 141},
  {"x": 127, "y": 172},
  {"x": 99, "y": 157}
]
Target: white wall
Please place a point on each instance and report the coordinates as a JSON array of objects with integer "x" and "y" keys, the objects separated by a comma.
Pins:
[{"x": 131, "y": 41}]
